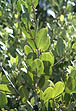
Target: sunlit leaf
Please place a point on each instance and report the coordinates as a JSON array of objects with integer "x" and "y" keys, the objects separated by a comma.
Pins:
[
  {"x": 42, "y": 40},
  {"x": 4, "y": 89},
  {"x": 74, "y": 46},
  {"x": 27, "y": 49},
  {"x": 61, "y": 18}
]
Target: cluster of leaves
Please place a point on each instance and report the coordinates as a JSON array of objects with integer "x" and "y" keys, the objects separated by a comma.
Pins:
[{"x": 37, "y": 55}]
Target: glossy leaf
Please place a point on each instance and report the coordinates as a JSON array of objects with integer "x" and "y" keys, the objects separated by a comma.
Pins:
[
  {"x": 42, "y": 40},
  {"x": 52, "y": 92},
  {"x": 48, "y": 94},
  {"x": 58, "y": 89}
]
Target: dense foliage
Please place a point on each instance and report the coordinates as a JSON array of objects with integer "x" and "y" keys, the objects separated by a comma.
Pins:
[{"x": 37, "y": 55}]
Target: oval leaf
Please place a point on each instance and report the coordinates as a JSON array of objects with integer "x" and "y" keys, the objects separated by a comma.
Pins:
[
  {"x": 32, "y": 44},
  {"x": 58, "y": 89},
  {"x": 48, "y": 94},
  {"x": 27, "y": 49},
  {"x": 42, "y": 40}
]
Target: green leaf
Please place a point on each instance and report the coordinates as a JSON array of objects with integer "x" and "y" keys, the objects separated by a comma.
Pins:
[
  {"x": 47, "y": 56},
  {"x": 23, "y": 92},
  {"x": 46, "y": 84},
  {"x": 4, "y": 89},
  {"x": 48, "y": 94},
  {"x": 52, "y": 92},
  {"x": 27, "y": 49},
  {"x": 51, "y": 84},
  {"x": 41, "y": 81},
  {"x": 33, "y": 3},
  {"x": 28, "y": 80},
  {"x": 32, "y": 100},
  {"x": 58, "y": 89},
  {"x": 26, "y": 5},
  {"x": 70, "y": 85},
  {"x": 42, "y": 40},
  {"x": 73, "y": 72},
  {"x": 14, "y": 60},
  {"x": 19, "y": 2},
  {"x": 4, "y": 79},
  {"x": 3, "y": 100},
  {"x": 0, "y": 13},
  {"x": 41, "y": 94},
  {"x": 67, "y": 98},
  {"x": 26, "y": 19},
  {"x": 38, "y": 67},
  {"x": 32, "y": 44},
  {"x": 47, "y": 68},
  {"x": 27, "y": 35},
  {"x": 30, "y": 57},
  {"x": 74, "y": 46},
  {"x": 50, "y": 70},
  {"x": 60, "y": 47}
]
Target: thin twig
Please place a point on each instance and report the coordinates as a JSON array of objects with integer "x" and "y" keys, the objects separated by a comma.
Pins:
[
  {"x": 58, "y": 61},
  {"x": 62, "y": 59},
  {"x": 6, "y": 74},
  {"x": 29, "y": 104}
]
